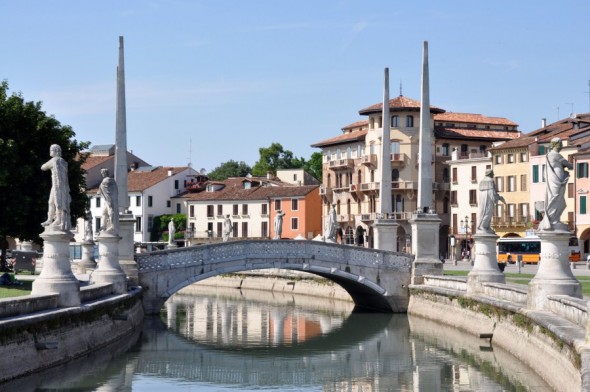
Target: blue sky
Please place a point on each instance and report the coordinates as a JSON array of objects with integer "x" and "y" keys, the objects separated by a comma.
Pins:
[{"x": 233, "y": 76}]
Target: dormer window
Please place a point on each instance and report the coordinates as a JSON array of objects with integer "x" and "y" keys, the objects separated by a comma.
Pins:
[
  {"x": 247, "y": 185},
  {"x": 210, "y": 188}
]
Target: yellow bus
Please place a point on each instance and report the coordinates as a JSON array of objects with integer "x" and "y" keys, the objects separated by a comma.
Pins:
[{"x": 529, "y": 248}]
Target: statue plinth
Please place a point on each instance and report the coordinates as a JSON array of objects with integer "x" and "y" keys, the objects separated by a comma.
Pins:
[
  {"x": 425, "y": 246},
  {"x": 171, "y": 246},
  {"x": 87, "y": 263},
  {"x": 56, "y": 274},
  {"x": 385, "y": 234},
  {"x": 109, "y": 270},
  {"x": 554, "y": 276},
  {"x": 485, "y": 266},
  {"x": 127, "y": 246}
]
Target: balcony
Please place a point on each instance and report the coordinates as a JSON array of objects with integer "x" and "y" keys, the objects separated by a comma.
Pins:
[
  {"x": 345, "y": 218},
  {"x": 441, "y": 186},
  {"x": 404, "y": 185},
  {"x": 511, "y": 221},
  {"x": 341, "y": 164},
  {"x": 369, "y": 160},
  {"x": 398, "y": 160},
  {"x": 370, "y": 187},
  {"x": 394, "y": 215}
]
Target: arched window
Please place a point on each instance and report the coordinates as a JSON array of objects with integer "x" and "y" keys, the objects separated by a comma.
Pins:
[
  {"x": 359, "y": 177},
  {"x": 348, "y": 211},
  {"x": 348, "y": 153},
  {"x": 329, "y": 180},
  {"x": 359, "y": 151},
  {"x": 446, "y": 205},
  {"x": 409, "y": 121},
  {"x": 395, "y": 175},
  {"x": 399, "y": 203},
  {"x": 445, "y": 174},
  {"x": 372, "y": 175},
  {"x": 349, "y": 236},
  {"x": 328, "y": 155},
  {"x": 338, "y": 207},
  {"x": 395, "y": 121},
  {"x": 338, "y": 154}
]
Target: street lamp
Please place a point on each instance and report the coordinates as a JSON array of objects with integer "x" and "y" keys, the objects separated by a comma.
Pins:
[{"x": 465, "y": 225}]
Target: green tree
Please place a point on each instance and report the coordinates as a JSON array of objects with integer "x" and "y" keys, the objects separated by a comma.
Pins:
[
  {"x": 314, "y": 165},
  {"x": 273, "y": 158},
  {"x": 26, "y": 133},
  {"x": 228, "y": 169},
  {"x": 160, "y": 227}
]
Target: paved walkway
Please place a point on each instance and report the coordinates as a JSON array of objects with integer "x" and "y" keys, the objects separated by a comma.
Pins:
[{"x": 580, "y": 270}]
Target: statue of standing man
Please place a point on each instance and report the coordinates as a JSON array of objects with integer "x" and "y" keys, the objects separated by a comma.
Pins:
[
  {"x": 227, "y": 228},
  {"x": 58, "y": 214},
  {"x": 110, "y": 213},
  {"x": 279, "y": 225},
  {"x": 488, "y": 198},
  {"x": 557, "y": 177},
  {"x": 171, "y": 232},
  {"x": 332, "y": 224}
]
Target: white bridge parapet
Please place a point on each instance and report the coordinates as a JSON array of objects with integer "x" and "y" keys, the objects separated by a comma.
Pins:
[{"x": 375, "y": 279}]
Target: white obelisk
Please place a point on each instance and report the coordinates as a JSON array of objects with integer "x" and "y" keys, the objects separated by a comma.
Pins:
[{"x": 425, "y": 222}]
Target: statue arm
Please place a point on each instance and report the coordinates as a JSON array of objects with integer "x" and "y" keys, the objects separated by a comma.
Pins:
[{"x": 47, "y": 165}]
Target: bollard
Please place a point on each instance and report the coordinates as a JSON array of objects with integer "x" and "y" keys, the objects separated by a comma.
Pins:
[
  {"x": 519, "y": 264},
  {"x": 573, "y": 265}
]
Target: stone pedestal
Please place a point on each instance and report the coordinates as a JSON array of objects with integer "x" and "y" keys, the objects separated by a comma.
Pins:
[
  {"x": 554, "y": 276},
  {"x": 171, "y": 246},
  {"x": 87, "y": 263},
  {"x": 485, "y": 266},
  {"x": 425, "y": 228},
  {"x": 56, "y": 275},
  {"x": 385, "y": 234},
  {"x": 109, "y": 270},
  {"x": 127, "y": 246}
]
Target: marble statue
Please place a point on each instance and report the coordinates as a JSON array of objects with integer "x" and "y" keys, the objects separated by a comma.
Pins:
[
  {"x": 332, "y": 224},
  {"x": 227, "y": 228},
  {"x": 88, "y": 234},
  {"x": 556, "y": 177},
  {"x": 58, "y": 215},
  {"x": 488, "y": 198},
  {"x": 110, "y": 213},
  {"x": 279, "y": 225},
  {"x": 171, "y": 232}
]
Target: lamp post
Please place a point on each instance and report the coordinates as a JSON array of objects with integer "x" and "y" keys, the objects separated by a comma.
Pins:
[
  {"x": 465, "y": 225},
  {"x": 452, "y": 247}
]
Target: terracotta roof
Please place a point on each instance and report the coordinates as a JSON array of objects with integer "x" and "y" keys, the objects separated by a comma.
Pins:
[
  {"x": 344, "y": 138},
  {"x": 139, "y": 180},
  {"x": 568, "y": 122},
  {"x": 472, "y": 119},
  {"x": 95, "y": 160},
  {"x": 463, "y": 133},
  {"x": 358, "y": 124},
  {"x": 398, "y": 104},
  {"x": 520, "y": 142},
  {"x": 234, "y": 190}
]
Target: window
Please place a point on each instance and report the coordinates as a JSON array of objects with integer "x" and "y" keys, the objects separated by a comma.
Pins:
[
  {"x": 498, "y": 159},
  {"x": 523, "y": 183},
  {"x": 395, "y": 121},
  {"x": 220, "y": 210},
  {"x": 175, "y": 184},
  {"x": 264, "y": 209},
  {"x": 191, "y": 211},
  {"x": 454, "y": 176},
  {"x": 138, "y": 224},
  {"x": 535, "y": 174},
  {"x": 348, "y": 153},
  {"x": 541, "y": 150},
  {"x": 244, "y": 229},
  {"x": 409, "y": 121},
  {"x": 168, "y": 203},
  {"x": 338, "y": 154},
  {"x": 277, "y": 205},
  {"x": 395, "y": 147},
  {"x": 244, "y": 209},
  {"x": 151, "y": 222},
  {"x": 473, "y": 174},
  {"x": 523, "y": 209},
  {"x": 294, "y": 204},
  {"x": 219, "y": 229},
  {"x": 294, "y": 223},
  {"x": 98, "y": 202},
  {"x": 295, "y": 177},
  {"x": 473, "y": 197},
  {"x": 178, "y": 208},
  {"x": 264, "y": 229},
  {"x": 97, "y": 226},
  {"x": 582, "y": 205},
  {"x": 511, "y": 183},
  {"x": 150, "y": 201},
  {"x": 445, "y": 149},
  {"x": 138, "y": 201},
  {"x": 235, "y": 209},
  {"x": 210, "y": 211},
  {"x": 359, "y": 151},
  {"x": 499, "y": 184},
  {"x": 570, "y": 190},
  {"x": 329, "y": 156},
  {"x": 582, "y": 170},
  {"x": 234, "y": 227},
  {"x": 510, "y": 158},
  {"x": 445, "y": 174},
  {"x": 542, "y": 173},
  {"x": 524, "y": 157},
  {"x": 454, "y": 198}
]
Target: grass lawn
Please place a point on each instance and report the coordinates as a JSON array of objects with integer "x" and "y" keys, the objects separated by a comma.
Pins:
[
  {"x": 512, "y": 277},
  {"x": 16, "y": 291}
]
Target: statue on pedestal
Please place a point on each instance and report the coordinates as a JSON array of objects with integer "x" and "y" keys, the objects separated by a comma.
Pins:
[
  {"x": 58, "y": 214},
  {"x": 488, "y": 198},
  {"x": 171, "y": 232},
  {"x": 227, "y": 228},
  {"x": 110, "y": 213},
  {"x": 557, "y": 177},
  {"x": 279, "y": 225},
  {"x": 332, "y": 224},
  {"x": 88, "y": 233}
]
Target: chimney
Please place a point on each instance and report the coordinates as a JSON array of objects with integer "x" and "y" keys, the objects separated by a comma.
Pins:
[
  {"x": 543, "y": 122},
  {"x": 169, "y": 172}
]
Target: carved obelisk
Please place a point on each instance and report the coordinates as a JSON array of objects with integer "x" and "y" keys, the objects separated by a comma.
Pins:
[
  {"x": 425, "y": 222},
  {"x": 385, "y": 228},
  {"x": 126, "y": 219}
]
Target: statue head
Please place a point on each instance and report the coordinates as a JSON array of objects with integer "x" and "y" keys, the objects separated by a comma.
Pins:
[
  {"x": 489, "y": 173},
  {"x": 55, "y": 150},
  {"x": 104, "y": 172},
  {"x": 556, "y": 144}
]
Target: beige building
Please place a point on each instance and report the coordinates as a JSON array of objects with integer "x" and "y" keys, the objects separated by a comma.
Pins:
[{"x": 351, "y": 164}]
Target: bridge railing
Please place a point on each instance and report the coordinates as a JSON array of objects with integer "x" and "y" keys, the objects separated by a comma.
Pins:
[{"x": 260, "y": 251}]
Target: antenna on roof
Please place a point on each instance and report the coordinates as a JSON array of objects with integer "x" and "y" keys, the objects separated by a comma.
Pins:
[
  {"x": 557, "y": 107},
  {"x": 400, "y": 88},
  {"x": 190, "y": 152}
]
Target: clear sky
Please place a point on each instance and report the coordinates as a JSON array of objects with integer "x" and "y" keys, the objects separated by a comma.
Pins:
[{"x": 209, "y": 81}]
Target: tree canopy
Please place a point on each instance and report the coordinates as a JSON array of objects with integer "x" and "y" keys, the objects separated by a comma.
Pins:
[
  {"x": 228, "y": 169},
  {"x": 273, "y": 158},
  {"x": 314, "y": 165},
  {"x": 26, "y": 133}
]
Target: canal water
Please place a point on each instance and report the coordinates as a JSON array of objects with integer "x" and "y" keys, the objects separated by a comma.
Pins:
[{"x": 253, "y": 340}]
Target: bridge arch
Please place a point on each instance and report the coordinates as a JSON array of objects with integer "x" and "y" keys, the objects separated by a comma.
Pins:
[{"x": 376, "y": 280}]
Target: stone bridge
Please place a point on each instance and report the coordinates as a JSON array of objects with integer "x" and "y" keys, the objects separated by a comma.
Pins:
[{"x": 376, "y": 280}]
